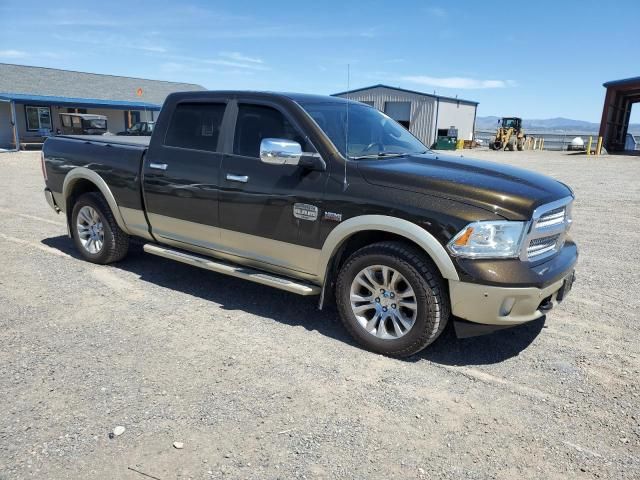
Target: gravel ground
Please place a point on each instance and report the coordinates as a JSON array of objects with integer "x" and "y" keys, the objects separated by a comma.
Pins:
[{"x": 257, "y": 384}]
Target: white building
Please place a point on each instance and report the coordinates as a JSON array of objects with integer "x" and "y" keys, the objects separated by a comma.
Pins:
[
  {"x": 31, "y": 99},
  {"x": 425, "y": 115}
]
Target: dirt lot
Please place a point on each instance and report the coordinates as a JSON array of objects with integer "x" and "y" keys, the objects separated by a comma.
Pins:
[{"x": 258, "y": 384}]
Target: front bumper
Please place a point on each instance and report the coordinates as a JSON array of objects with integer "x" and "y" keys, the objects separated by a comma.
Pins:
[{"x": 505, "y": 306}]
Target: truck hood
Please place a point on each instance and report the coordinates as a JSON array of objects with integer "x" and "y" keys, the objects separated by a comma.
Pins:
[{"x": 510, "y": 192}]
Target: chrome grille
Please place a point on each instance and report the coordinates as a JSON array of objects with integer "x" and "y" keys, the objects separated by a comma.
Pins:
[
  {"x": 554, "y": 217},
  {"x": 542, "y": 245},
  {"x": 547, "y": 230}
]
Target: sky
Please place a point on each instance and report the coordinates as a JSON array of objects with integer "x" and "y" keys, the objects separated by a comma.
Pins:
[{"x": 546, "y": 59}]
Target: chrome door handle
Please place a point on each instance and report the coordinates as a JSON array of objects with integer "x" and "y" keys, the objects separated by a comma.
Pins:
[
  {"x": 237, "y": 178},
  {"x": 158, "y": 166}
]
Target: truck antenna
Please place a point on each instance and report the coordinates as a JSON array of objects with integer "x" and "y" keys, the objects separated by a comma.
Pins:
[{"x": 346, "y": 132}]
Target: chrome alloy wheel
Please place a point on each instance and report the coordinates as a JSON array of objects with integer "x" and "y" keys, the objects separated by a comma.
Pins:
[
  {"x": 90, "y": 229},
  {"x": 383, "y": 302}
]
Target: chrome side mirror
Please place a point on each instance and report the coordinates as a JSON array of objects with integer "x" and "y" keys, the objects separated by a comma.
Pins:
[{"x": 279, "y": 151}]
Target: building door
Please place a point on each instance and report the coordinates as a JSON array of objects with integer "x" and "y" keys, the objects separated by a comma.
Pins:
[
  {"x": 400, "y": 112},
  {"x": 131, "y": 117}
]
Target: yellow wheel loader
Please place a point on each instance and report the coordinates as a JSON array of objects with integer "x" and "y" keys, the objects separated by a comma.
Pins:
[{"x": 510, "y": 135}]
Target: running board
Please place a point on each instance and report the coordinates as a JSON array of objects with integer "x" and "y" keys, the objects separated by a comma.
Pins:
[{"x": 250, "y": 274}]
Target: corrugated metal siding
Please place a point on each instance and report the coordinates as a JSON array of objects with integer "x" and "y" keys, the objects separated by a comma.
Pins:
[{"x": 422, "y": 109}]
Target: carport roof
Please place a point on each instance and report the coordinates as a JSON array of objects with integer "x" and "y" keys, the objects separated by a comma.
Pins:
[
  {"x": 623, "y": 82},
  {"x": 75, "y": 102}
]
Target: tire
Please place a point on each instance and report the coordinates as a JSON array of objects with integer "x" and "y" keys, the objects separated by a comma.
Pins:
[
  {"x": 418, "y": 273},
  {"x": 115, "y": 243}
]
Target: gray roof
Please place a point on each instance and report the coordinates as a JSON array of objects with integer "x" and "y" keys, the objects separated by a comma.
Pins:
[
  {"x": 66, "y": 83},
  {"x": 404, "y": 90}
]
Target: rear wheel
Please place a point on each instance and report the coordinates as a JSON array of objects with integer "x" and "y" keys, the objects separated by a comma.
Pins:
[
  {"x": 95, "y": 232},
  {"x": 392, "y": 299}
]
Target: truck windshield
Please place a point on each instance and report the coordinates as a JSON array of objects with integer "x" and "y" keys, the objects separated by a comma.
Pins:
[
  {"x": 370, "y": 133},
  {"x": 95, "y": 123}
]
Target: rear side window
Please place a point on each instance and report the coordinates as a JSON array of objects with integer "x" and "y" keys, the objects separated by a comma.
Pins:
[
  {"x": 256, "y": 122},
  {"x": 195, "y": 126}
]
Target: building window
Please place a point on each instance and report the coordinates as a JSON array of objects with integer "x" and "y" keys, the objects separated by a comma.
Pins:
[
  {"x": 76, "y": 110},
  {"x": 37, "y": 118}
]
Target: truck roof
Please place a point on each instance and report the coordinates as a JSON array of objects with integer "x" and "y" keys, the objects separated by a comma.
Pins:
[{"x": 296, "y": 97}]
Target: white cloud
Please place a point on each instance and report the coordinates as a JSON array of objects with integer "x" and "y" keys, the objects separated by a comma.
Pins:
[
  {"x": 197, "y": 63},
  {"x": 277, "y": 31},
  {"x": 228, "y": 63},
  {"x": 458, "y": 82},
  {"x": 13, "y": 54},
  {"x": 239, "y": 57},
  {"x": 111, "y": 41}
]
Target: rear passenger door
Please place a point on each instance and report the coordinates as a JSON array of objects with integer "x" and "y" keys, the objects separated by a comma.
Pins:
[
  {"x": 181, "y": 177},
  {"x": 257, "y": 199}
]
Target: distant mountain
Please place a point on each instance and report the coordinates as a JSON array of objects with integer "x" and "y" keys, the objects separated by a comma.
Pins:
[{"x": 558, "y": 124}]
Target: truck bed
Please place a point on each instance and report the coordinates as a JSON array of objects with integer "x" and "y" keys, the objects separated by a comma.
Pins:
[{"x": 119, "y": 164}]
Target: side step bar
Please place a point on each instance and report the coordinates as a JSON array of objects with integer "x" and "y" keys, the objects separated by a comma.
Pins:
[{"x": 257, "y": 276}]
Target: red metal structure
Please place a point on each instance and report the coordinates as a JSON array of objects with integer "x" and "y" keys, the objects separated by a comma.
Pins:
[{"x": 620, "y": 96}]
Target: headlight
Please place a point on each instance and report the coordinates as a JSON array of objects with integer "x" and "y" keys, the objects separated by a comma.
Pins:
[{"x": 500, "y": 239}]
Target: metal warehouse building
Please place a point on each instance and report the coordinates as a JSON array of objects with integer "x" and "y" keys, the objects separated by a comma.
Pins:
[
  {"x": 31, "y": 99},
  {"x": 426, "y": 116}
]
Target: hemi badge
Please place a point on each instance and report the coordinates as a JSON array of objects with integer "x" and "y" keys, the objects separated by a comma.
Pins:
[
  {"x": 304, "y": 211},
  {"x": 334, "y": 217}
]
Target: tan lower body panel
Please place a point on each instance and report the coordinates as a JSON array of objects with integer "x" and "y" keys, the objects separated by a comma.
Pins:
[
  {"x": 135, "y": 222},
  {"x": 498, "y": 305},
  {"x": 259, "y": 252}
]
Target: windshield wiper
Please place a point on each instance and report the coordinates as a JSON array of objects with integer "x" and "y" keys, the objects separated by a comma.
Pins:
[{"x": 380, "y": 155}]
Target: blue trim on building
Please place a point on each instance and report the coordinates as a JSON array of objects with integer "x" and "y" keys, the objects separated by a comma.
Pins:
[{"x": 45, "y": 100}]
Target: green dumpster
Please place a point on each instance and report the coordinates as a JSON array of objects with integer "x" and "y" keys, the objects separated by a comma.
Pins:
[{"x": 446, "y": 143}]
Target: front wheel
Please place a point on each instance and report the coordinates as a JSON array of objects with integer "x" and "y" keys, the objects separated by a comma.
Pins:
[
  {"x": 392, "y": 299},
  {"x": 96, "y": 233}
]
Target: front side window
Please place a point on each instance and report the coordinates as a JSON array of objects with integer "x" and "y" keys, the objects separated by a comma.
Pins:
[
  {"x": 257, "y": 122},
  {"x": 196, "y": 126},
  {"x": 368, "y": 133},
  {"x": 38, "y": 117}
]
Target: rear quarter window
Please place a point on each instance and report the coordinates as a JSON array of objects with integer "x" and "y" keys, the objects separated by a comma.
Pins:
[{"x": 195, "y": 126}]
